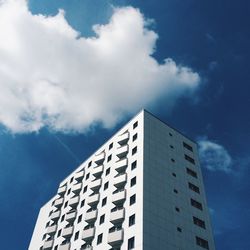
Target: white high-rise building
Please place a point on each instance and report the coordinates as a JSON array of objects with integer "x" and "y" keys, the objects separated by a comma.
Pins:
[{"x": 141, "y": 190}]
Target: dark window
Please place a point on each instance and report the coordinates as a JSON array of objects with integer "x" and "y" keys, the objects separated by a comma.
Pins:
[
  {"x": 89, "y": 163},
  {"x": 201, "y": 242},
  {"x": 199, "y": 222},
  {"x": 174, "y": 174},
  {"x": 87, "y": 176},
  {"x": 59, "y": 233},
  {"x": 171, "y": 146},
  {"x": 111, "y": 145},
  {"x": 132, "y": 200},
  {"x": 196, "y": 204},
  {"x": 170, "y": 134},
  {"x": 109, "y": 158},
  {"x": 107, "y": 171},
  {"x": 131, "y": 243},
  {"x": 79, "y": 219},
  {"x": 104, "y": 201},
  {"x": 173, "y": 160},
  {"x": 191, "y": 172},
  {"x": 76, "y": 235},
  {"x": 106, "y": 185},
  {"x": 82, "y": 203},
  {"x": 177, "y": 209},
  {"x": 62, "y": 218},
  {"x": 190, "y": 159},
  {"x": 176, "y": 191},
  {"x": 131, "y": 220},
  {"x": 72, "y": 178},
  {"x": 99, "y": 239},
  {"x": 193, "y": 187},
  {"x": 56, "y": 247},
  {"x": 135, "y": 125},
  {"x": 185, "y": 145},
  {"x": 179, "y": 229},
  {"x": 133, "y": 182},
  {"x": 102, "y": 219},
  {"x": 134, "y": 150},
  {"x": 66, "y": 204},
  {"x": 134, "y": 137},
  {"x": 133, "y": 165},
  {"x": 68, "y": 191},
  {"x": 85, "y": 189},
  {"x": 47, "y": 224},
  {"x": 44, "y": 236}
]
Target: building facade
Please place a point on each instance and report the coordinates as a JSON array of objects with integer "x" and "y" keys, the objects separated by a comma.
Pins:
[{"x": 141, "y": 190}]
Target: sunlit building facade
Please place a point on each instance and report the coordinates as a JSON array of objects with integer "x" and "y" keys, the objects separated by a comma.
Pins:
[{"x": 141, "y": 190}]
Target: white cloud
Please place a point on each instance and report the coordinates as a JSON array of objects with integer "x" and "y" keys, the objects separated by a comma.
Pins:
[
  {"x": 51, "y": 76},
  {"x": 214, "y": 156}
]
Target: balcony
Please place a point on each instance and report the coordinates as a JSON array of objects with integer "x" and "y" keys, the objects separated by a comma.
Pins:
[
  {"x": 64, "y": 246},
  {"x": 119, "y": 197},
  {"x": 68, "y": 231},
  {"x": 70, "y": 216},
  {"x": 121, "y": 165},
  {"x": 48, "y": 245},
  {"x": 79, "y": 176},
  {"x": 115, "y": 238},
  {"x": 74, "y": 201},
  {"x": 99, "y": 159},
  {"x": 97, "y": 171},
  {"x": 122, "y": 151},
  {"x": 55, "y": 215},
  {"x": 77, "y": 188},
  {"x": 95, "y": 185},
  {"x": 58, "y": 203},
  {"x": 94, "y": 199},
  {"x": 91, "y": 216},
  {"x": 88, "y": 234},
  {"x": 123, "y": 139},
  {"x": 51, "y": 230},
  {"x": 62, "y": 190},
  {"x": 87, "y": 247},
  {"x": 117, "y": 216},
  {"x": 120, "y": 180}
]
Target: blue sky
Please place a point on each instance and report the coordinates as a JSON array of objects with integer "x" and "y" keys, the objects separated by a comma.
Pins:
[{"x": 55, "y": 67}]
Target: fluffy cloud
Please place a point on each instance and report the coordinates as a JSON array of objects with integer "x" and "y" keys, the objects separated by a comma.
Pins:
[
  {"x": 50, "y": 76},
  {"x": 214, "y": 156}
]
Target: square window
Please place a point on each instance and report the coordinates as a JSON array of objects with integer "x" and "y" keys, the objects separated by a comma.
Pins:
[
  {"x": 174, "y": 174},
  {"x": 134, "y": 137},
  {"x": 177, "y": 209},
  {"x": 62, "y": 218},
  {"x": 76, "y": 235},
  {"x": 190, "y": 159},
  {"x": 107, "y": 171},
  {"x": 173, "y": 160},
  {"x": 106, "y": 185},
  {"x": 110, "y": 145},
  {"x": 202, "y": 243},
  {"x": 133, "y": 182},
  {"x": 179, "y": 229},
  {"x": 134, "y": 150},
  {"x": 104, "y": 201},
  {"x": 135, "y": 125},
  {"x": 171, "y": 146},
  {"x": 79, "y": 219},
  {"x": 82, "y": 203},
  {"x": 193, "y": 188},
  {"x": 132, "y": 200},
  {"x": 185, "y": 145},
  {"x": 131, "y": 243},
  {"x": 109, "y": 158},
  {"x": 176, "y": 191},
  {"x": 85, "y": 189},
  {"x": 196, "y": 204},
  {"x": 131, "y": 220},
  {"x": 133, "y": 165},
  {"x": 99, "y": 239},
  {"x": 102, "y": 219},
  {"x": 170, "y": 134},
  {"x": 59, "y": 233}
]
